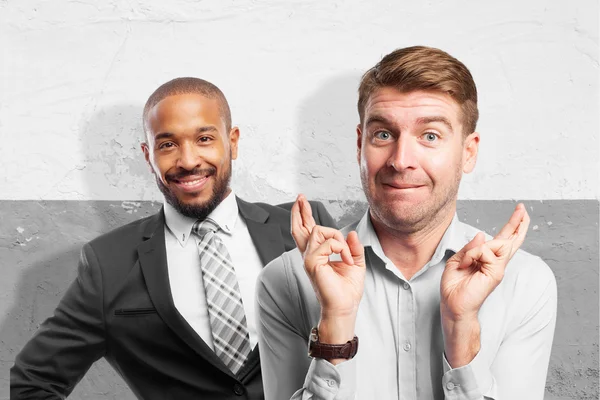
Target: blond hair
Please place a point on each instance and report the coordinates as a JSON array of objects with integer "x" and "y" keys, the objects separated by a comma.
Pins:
[{"x": 423, "y": 68}]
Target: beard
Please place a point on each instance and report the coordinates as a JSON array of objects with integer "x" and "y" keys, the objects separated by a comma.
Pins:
[
  {"x": 408, "y": 218},
  {"x": 197, "y": 211}
]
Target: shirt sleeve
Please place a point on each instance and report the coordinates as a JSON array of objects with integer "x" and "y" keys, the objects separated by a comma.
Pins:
[
  {"x": 284, "y": 325},
  {"x": 518, "y": 369}
]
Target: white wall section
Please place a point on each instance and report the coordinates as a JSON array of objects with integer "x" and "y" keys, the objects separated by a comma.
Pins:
[{"x": 74, "y": 76}]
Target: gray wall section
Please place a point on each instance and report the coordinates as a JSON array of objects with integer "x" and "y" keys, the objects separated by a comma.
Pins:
[{"x": 40, "y": 243}]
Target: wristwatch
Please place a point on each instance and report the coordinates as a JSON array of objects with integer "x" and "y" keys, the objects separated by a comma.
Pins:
[{"x": 317, "y": 349}]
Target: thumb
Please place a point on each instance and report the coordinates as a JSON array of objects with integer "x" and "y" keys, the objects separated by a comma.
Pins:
[{"x": 357, "y": 250}]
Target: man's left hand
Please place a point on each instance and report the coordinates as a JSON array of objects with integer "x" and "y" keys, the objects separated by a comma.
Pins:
[{"x": 469, "y": 278}]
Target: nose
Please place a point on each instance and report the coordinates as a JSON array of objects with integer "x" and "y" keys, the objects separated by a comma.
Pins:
[
  {"x": 188, "y": 157},
  {"x": 403, "y": 156}
]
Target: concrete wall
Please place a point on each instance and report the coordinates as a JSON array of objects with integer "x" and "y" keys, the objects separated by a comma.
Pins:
[{"x": 75, "y": 74}]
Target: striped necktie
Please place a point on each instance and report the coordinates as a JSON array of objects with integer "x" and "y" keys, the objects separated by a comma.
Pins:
[{"x": 226, "y": 311}]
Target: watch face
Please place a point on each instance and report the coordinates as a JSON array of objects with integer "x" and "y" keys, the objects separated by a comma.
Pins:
[
  {"x": 314, "y": 335},
  {"x": 313, "y": 338}
]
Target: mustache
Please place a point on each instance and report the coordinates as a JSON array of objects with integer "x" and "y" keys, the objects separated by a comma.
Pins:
[{"x": 183, "y": 173}]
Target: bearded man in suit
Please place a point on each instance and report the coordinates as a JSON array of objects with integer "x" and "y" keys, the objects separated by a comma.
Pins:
[{"x": 169, "y": 300}]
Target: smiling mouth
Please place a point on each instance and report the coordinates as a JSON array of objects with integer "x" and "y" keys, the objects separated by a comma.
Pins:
[
  {"x": 402, "y": 186},
  {"x": 191, "y": 184}
]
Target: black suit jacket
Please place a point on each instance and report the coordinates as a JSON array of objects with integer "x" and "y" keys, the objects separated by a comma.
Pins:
[{"x": 120, "y": 307}]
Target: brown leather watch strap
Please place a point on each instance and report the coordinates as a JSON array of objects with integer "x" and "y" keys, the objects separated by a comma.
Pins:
[{"x": 326, "y": 351}]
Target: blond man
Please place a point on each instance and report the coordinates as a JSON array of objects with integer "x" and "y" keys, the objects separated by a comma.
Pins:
[{"x": 418, "y": 305}]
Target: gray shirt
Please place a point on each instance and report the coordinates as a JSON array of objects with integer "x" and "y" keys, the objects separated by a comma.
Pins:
[{"x": 401, "y": 346}]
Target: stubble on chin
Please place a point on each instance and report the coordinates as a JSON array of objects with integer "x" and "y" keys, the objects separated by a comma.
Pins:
[
  {"x": 402, "y": 218},
  {"x": 409, "y": 218},
  {"x": 197, "y": 211}
]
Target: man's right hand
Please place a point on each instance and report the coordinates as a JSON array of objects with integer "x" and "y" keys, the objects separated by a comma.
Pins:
[{"x": 338, "y": 284}]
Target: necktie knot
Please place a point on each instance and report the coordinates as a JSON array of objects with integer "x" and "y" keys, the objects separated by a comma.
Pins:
[{"x": 201, "y": 228}]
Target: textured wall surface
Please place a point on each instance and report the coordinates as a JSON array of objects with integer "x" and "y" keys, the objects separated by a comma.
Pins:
[
  {"x": 74, "y": 75},
  {"x": 40, "y": 244}
]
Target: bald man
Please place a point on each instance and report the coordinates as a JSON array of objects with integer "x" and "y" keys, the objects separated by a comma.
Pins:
[{"x": 169, "y": 300}]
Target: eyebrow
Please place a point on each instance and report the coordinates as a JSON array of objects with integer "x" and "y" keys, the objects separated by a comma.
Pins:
[
  {"x": 377, "y": 118},
  {"x": 163, "y": 135},
  {"x": 372, "y": 119},
  {"x": 207, "y": 128},
  {"x": 428, "y": 120},
  {"x": 169, "y": 135}
]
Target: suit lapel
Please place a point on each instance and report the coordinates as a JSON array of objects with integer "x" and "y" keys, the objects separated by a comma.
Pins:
[
  {"x": 153, "y": 260},
  {"x": 269, "y": 244},
  {"x": 266, "y": 237}
]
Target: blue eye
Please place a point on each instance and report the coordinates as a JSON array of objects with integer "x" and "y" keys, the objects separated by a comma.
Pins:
[
  {"x": 383, "y": 135},
  {"x": 430, "y": 137}
]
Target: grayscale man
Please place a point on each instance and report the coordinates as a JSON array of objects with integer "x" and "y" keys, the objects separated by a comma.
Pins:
[
  {"x": 169, "y": 300},
  {"x": 408, "y": 302}
]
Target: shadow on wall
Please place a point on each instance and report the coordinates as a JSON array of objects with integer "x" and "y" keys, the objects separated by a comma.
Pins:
[
  {"x": 115, "y": 167},
  {"x": 327, "y": 166},
  {"x": 43, "y": 239}
]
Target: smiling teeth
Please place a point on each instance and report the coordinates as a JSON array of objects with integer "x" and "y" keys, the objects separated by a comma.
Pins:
[{"x": 192, "y": 183}]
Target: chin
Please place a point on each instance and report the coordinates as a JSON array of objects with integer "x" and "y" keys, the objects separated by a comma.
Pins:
[
  {"x": 193, "y": 199},
  {"x": 405, "y": 217}
]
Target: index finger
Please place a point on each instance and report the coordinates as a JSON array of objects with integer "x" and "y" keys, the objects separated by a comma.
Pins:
[
  {"x": 520, "y": 233},
  {"x": 298, "y": 233},
  {"x": 510, "y": 229},
  {"x": 306, "y": 213}
]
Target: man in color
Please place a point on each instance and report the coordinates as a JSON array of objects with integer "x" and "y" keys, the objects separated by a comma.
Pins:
[{"x": 409, "y": 302}]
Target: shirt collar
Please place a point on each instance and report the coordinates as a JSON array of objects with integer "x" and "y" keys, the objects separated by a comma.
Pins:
[
  {"x": 454, "y": 239},
  {"x": 225, "y": 216}
]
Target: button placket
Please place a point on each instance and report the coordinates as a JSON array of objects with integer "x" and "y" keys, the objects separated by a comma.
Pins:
[{"x": 407, "y": 386}]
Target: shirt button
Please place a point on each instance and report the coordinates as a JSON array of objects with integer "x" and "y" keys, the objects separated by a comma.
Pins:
[
  {"x": 450, "y": 386},
  {"x": 406, "y": 286},
  {"x": 406, "y": 346},
  {"x": 238, "y": 389}
]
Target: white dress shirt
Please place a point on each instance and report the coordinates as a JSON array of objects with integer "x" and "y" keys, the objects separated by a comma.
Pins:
[
  {"x": 185, "y": 274},
  {"x": 401, "y": 348}
]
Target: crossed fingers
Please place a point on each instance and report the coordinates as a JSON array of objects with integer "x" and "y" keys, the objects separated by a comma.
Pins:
[
  {"x": 302, "y": 222},
  {"x": 480, "y": 254},
  {"x": 516, "y": 228}
]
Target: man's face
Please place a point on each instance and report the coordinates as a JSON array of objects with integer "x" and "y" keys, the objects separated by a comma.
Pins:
[
  {"x": 190, "y": 152},
  {"x": 412, "y": 155}
]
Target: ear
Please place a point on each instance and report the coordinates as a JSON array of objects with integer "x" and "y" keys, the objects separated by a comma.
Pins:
[
  {"x": 146, "y": 151},
  {"x": 470, "y": 151},
  {"x": 358, "y": 142},
  {"x": 234, "y": 137}
]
